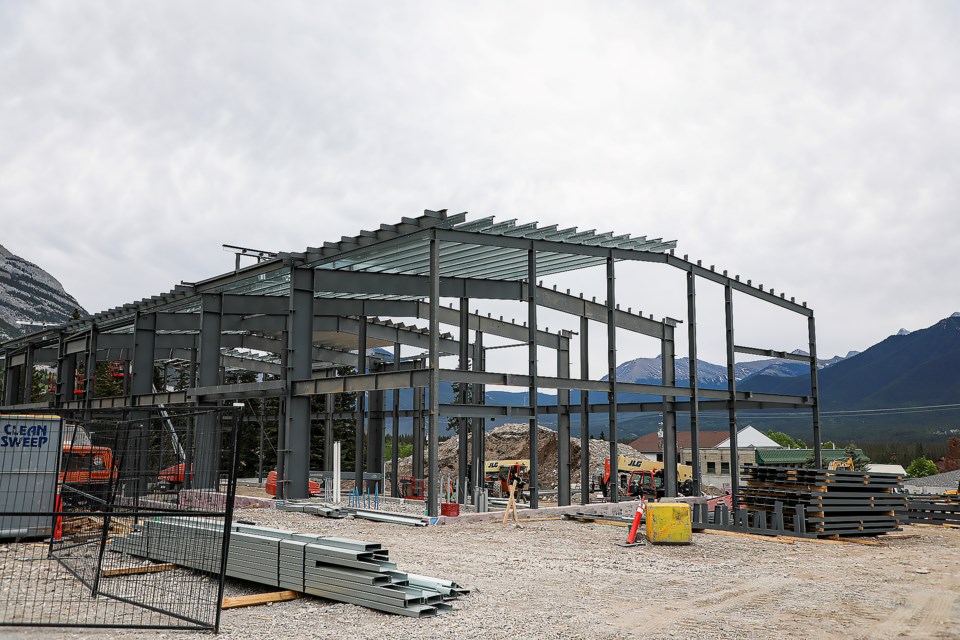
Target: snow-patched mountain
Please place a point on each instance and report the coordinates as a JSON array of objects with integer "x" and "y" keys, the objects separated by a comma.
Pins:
[
  {"x": 29, "y": 294},
  {"x": 917, "y": 369},
  {"x": 709, "y": 375}
]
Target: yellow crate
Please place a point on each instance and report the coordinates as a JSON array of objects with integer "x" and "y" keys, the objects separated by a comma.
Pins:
[{"x": 669, "y": 523}]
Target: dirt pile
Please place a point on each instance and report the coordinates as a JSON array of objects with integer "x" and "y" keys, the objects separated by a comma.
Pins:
[{"x": 511, "y": 442}]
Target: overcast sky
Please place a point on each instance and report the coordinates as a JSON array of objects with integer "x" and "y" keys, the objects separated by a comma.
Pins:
[{"x": 810, "y": 146}]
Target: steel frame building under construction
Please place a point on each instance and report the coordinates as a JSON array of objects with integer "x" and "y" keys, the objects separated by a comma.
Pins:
[{"x": 303, "y": 316}]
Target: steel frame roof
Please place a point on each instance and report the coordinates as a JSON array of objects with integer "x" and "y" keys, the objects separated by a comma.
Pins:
[{"x": 400, "y": 248}]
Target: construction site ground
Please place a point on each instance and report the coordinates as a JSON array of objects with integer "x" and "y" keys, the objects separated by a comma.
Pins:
[{"x": 561, "y": 579}]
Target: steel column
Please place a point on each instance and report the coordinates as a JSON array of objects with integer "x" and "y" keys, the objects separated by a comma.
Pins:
[
  {"x": 28, "y": 376},
  {"x": 135, "y": 463},
  {"x": 732, "y": 389},
  {"x": 463, "y": 458},
  {"x": 478, "y": 424},
  {"x": 433, "y": 456},
  {"x": 584, "y": 412},
  {"x": 207, "y": 439},
  {"x": 298, "y": 367},
  {"x": 694, "y": 381},
  {"x": 418, "y": 442},
  {"x": 612, "y": 376},
  {"x": 669, "y": 376},
  {"x": 66, "y": 372},
  {"x": 361, "y": 402},
  {"x": 563, "y": 425},
  {"x": 90, "y": 367},
  {"x": 375, "y": 430},
  {"x": 815, "y": 393},
  {"x": 11, "y": 381},
  {"x": 532, "y": 372},
  {"x": 395, "y": 431},
  {"x": 329, "y": 405}
]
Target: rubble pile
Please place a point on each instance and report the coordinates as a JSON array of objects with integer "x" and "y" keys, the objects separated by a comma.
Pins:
[{"x": 511, "y": 442}]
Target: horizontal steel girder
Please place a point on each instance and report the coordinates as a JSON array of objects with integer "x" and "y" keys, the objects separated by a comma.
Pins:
[
  {"x": 770, "y": 353},
  {"x": 360, "y": 282},
  {"x": 420, "y": 378}
]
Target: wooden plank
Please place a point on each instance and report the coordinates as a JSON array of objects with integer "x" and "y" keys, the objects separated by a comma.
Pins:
[
  {"x": 259, "y": 598},
  {"x": 132, "y": 571},
  {"x": 718, "y": 532},
  {"x": 868, "y": 543}
]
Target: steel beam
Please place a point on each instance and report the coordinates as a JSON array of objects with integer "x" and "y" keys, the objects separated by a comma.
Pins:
[
  {"x": 378, "y": 331},
  {"x": 563, "y": 426},
  {"x": 463, "y": 459},
  {"x": 500, "y": 411},
  {"x": 11, "y": 382},
  {"x": 375, "y": 433},
  {"x": 532, "y": 372},
  {"x": 613, "y": 493},
  {"x": 584, "y": 412},
  {"x": 395, "y": 433},
  {"x": 419, "y": 445},
  {"x": 66, "y": 375},
  {"x": 732, "y": 389},
  {"x": 815, "y": 393},
  {"x": 737, "y": 285},
  {"x": 433, "y": 457},
  {"x": 770, "y": 353},
  {"x": 362, "y": 282},
  {"x": 207, "y": 437},
  {"x": 578, "y": 306},
  {"x": 298, "y": 362},
  {"x": 135, "y": 462},
  {"x": 28, "y": 375},
  {"x": 413, "y": 285},
  {"x": 360, "y": 423},
  {"x": 90, "y": 363},
  {"x": 669, "y": 375},
  {"x": 694, "y": 380},
  {"x": 478, "y": 423},
  {"x": 488, "y": 325}
]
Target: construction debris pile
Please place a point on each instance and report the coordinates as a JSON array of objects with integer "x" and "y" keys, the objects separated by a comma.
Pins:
[
  {"x": 830, "y": 503},
  {"x": 337, "y": 569},
  {"x": 511, "y": 442}
]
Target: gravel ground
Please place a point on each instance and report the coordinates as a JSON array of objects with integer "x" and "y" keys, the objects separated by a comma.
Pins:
[{"x": 557, "y": 579}]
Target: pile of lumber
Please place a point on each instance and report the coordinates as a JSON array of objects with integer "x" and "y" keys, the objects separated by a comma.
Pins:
[
  {"x": 830, "y": 503},
  {"x": 338, "y": 569}
]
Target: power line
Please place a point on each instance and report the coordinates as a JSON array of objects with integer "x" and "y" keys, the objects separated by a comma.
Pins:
[{"x": 866, "y": 412}]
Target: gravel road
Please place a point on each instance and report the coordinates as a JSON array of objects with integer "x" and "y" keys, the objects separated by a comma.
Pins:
[{"x": 557, "y": 579}]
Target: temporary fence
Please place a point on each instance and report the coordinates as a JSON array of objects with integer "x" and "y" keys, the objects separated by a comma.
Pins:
[{"x": 71, "y": 483}]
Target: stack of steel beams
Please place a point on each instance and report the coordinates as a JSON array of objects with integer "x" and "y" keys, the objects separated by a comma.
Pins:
[
  {"x": 394, "y": 518},
  {"x": 338, "y": 569},
  {"x": 933, "y": 510},
  {"x": 829, "y": 502},
  {"x": 325, "y": 510}
]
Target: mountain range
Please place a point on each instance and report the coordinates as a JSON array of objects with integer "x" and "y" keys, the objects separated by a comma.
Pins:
[{"x": 910, "y": 368}]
